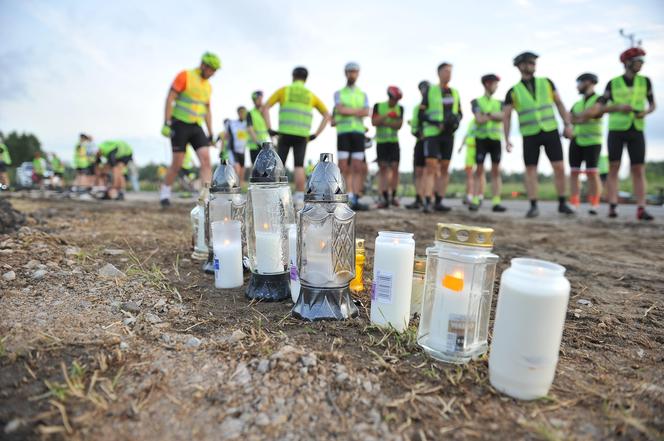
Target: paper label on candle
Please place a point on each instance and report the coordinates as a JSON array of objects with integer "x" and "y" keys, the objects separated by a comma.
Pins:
[
  {"x": 456, "y": 331},
  {"x": 293, "y": 273},
  {"x": 383, "y": 287},
  {"x": 216, "y": 264}
]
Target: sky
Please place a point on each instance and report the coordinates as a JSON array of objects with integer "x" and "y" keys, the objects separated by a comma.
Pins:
[{"x": 105, "y": 68}]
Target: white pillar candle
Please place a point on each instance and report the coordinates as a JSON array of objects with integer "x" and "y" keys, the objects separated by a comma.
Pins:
[
  {"x": 292, "y": 257},
  {"x": 227, "y": 249},
  {"x": 201, "y": 246},
  {"x": 268, "y": 252},
  {"x": 393, "y": 279},
  {"x": 532, "y": 304},
  {"x": 228, "y": 265},
  {"x": 449, "y": 314}
]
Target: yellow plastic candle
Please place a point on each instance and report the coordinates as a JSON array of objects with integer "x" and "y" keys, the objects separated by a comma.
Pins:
[{"x": 357, "y": 284}]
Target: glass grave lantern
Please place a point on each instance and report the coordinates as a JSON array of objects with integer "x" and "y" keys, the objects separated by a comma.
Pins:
[
  {"x": 198, "y": 215},
  {"x": 458, "y": 288},
  {"x": 326, "y": 247},
  {"x": 268, "y": 215},
  {"x": 225, "y": 203}
]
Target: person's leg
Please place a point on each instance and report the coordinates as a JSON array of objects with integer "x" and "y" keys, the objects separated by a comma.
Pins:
[
  {"x": 531, "y": 182},
  {"x": 383, "y": 187},
  {"x": 203, "y": 154},
  {"x": 357, "y": 171},
  {"x": 615, "y": 143},
  {"x": 639, "y": 184},
  {"x": 394, "y": 178},
  {"x": 429, "y": 175},
  {"x": 637, "y": 155},
  {"x": 575, "y": 159},
  {"x": 477, "y": 177},
  {"x": 299, "y": 151},
  {"x": 574, "y": 192},
  {"x": 470, "y": 180},
  {"x": 496, "y": 183},
  {"x": 343, "y": 158}
]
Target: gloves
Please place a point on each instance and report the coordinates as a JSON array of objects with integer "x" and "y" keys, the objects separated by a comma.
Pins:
[
  {"x": 272, "y": 132},
  {"x": 211, "y": 140},
  {"x": 312, "y": 137},
  {"x": 166, "y": 130},
  {"x": 393, "y": 114}
]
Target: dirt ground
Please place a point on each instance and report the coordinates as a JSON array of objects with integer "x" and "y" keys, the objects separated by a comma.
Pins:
[{"x": 156, "y": 353}]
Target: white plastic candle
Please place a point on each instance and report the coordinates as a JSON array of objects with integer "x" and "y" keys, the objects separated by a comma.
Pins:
[
  {"x": 532, "y": 304},
  {"x": 292, "y": 257},
  {"x": 227, "y": 248},
  {"x": 450, "y": 308},
  {"x": 393, "y": 279},
  {"x": 268, "y": 251}
]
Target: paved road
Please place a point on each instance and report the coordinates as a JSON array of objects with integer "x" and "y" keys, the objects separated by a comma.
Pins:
[{"x": 516, "y": 208}]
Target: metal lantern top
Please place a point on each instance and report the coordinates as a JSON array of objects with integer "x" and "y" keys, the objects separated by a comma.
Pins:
[
  {"x": 326, "y": 184},
  {"x": 268, "y": 167},
  {"x": 225, "y": 180}
]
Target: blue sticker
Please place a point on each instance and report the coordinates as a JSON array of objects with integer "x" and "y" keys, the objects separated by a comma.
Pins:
[
  {"x": 293, "y": 273},
  {"x": 216, "y": 264}
]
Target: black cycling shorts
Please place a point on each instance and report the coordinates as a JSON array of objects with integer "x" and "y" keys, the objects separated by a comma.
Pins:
[
  {"x": 297, "y": 143},
  {"x": 89, "y": 170},
  {"x": 238, "y": 158},
  {"x": 580, "y": 154},
  {"x": 491, "y": 147},
  {"x": 114, "y": 160},
  {"x": 183, "y": 133},
  {"x": 636, "y": 145},
  {"x": 3, "y": 167},
  {"x": 418, "y": 154},
  {"x": 350, "y": 142},
  {"x": 439, "y": 147},
  {"x": 388, "y": 152},
  {"x": 552, "y": 147}
]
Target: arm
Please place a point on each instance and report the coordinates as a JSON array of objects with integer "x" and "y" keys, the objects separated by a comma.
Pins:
[
  {"x": 463, "y": 142},
  {"x": 250, "y": 129},
  {"x": 507, "y": 123},
  {"x": 590, "y": 113},
  {"x": 564, "y": 114},
  {"x": 397, "y": 123},
  {"x": 168, "y": 111},
  {"x": 323, "y": 123}
]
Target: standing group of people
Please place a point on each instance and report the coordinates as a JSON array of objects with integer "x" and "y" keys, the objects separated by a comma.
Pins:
[{"x": 627, "y": 99}]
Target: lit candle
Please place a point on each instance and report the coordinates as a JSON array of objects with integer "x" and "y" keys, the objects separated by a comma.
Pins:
[
  {"x": 317, "y": 264},
  {"x": 292, "y": 257},
  {"x": 227, "y": 249},
  {"x": 532, "y": 304},
  {"x": 450, "y": 310},
  {"x": 393, "y": 279},
  {"x": 268, "y": 251}
]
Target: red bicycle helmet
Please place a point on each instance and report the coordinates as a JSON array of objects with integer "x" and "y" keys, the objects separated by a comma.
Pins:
[
  {"x": 394, "y": 92},
  {"x": 630, "y": 53}
]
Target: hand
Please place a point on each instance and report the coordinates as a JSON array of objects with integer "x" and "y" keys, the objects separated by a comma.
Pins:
[
  {"x": 166, "y": 130},
  {"x": 272, "y": 132},
  {"x": 509, "y": 146},
  {"x": 641, "y": 114},
  {"x": 312, "y": 136},
  {"x": 211, "y": 140},
  {"x": 569, "y": 131},
  {"x": 626, "y": 108}
]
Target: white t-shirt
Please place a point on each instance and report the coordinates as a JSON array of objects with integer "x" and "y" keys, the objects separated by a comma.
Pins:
[{"x": 239, "y": 135}]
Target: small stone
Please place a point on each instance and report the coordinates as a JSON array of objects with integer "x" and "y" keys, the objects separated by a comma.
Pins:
[
  {"x": 129, "y": 321},
  {"x": 32, "y": 264},
  {"x": 152, "y": 318},
  {"x": 367, "y": 386},
  {"x": 166, "y": 338},
  {"x": 241, "y": 376},
  {"x": 231, "y": 428},
  {"x": 7, "y": 251},
  {"x": 309, "y": 360},
  {"x": 236, "y": 336},
  {"x": 109, "y": 270},
  {"x": 72, "y": 251},
  {"x": 193, "y": 342},
  {"x": 130, "y": 307},
  {"x": 39, "y": 274},
  {"x": 557, "y": 423},
  {"x": 124, "y": 346},
  {"x": 263, "y": 366},
  {"x": 341, "y": 377},
  {"x": 13, "y": 425},
  {"x": 262, "y": 419},
  {"x": 9, "y": 276},
  {"x": 52, "y": 264},
  {"x": 113, "y": 252},
  {"x": 70, "y": 262},
  {"x": 287, "y": 353},
  {"x": 160, "y": 304},
  {"x": 584, "y": 302},
  {"x": 640, "y": 352}
]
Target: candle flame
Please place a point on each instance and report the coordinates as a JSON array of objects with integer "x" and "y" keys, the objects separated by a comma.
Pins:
[
  {"x": 322, "y": 244},
  {"x": 265, "y": 226},
  {"x": 226, "y": 242},
  {"x": 225, "y": 219},
  {"x": 454, "y": 281},
  {"x": 458, "y": 274}
]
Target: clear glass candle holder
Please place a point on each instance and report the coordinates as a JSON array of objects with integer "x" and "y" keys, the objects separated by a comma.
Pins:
[
  {"x": 227, "y": 249},
  {"x": 456, "y": 303}
]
